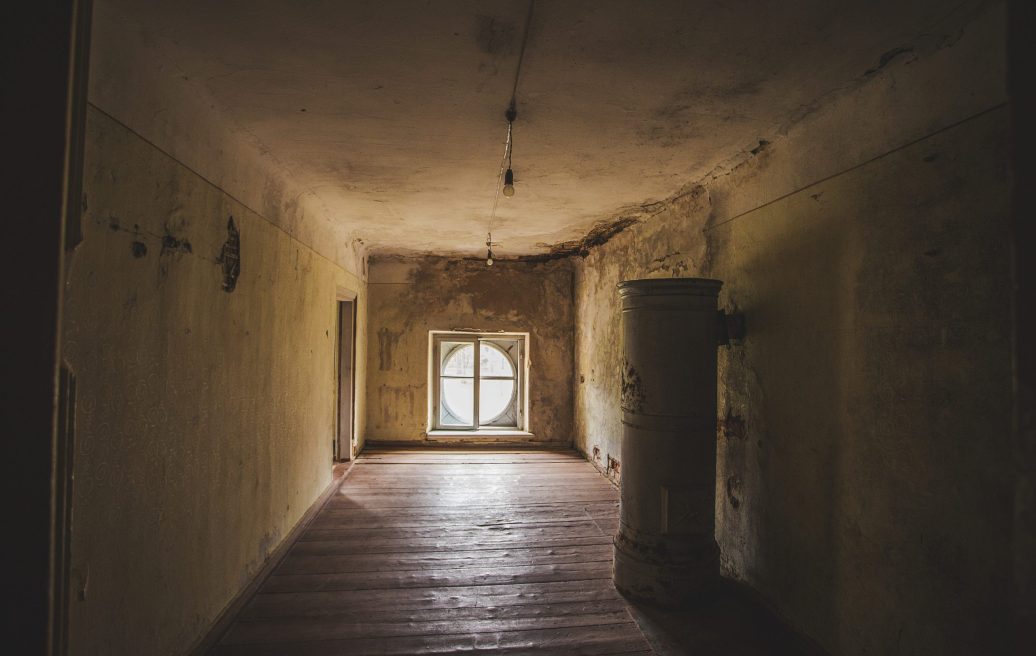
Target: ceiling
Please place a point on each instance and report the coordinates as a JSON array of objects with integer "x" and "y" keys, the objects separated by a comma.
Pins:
[{"x": 392, "y": 112}]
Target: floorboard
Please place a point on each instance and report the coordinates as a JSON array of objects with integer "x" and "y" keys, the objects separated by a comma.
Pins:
[{"x": 444, "y": 551}]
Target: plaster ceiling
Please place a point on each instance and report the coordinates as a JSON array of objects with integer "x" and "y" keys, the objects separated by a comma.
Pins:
[{"x": 392, "y": 112}]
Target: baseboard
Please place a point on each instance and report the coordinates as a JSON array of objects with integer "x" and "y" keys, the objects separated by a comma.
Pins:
[
  {"x": 467, "y": 442},
  {"x": 216, "y": 630}
]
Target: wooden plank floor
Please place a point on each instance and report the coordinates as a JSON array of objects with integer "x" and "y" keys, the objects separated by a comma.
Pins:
[{"x": 448, "y": 551}]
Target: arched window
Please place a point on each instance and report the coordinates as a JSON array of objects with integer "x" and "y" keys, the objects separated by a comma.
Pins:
[{"x": 482, "y": 392}]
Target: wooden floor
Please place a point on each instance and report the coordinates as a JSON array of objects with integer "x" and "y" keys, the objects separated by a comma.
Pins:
[{"x": 447, "y": 551}]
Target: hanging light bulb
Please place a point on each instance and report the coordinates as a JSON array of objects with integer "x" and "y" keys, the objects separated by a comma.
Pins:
[
  {"x": 510, "y": 114},
  {"x": 489, "y": 250},
  {"x": 509, "y": 183}
]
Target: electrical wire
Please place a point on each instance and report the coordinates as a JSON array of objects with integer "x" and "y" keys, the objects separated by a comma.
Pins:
[
  {"x": 521, "y": 52},
  {"x": 505, "y": 161}
]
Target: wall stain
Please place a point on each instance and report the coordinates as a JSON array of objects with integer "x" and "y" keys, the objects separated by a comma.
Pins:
[
  {"x": 171, "y": 244},
  {"x": 139, "y": 249},
  {"x": 632, "y": 388},
  {"x": 669, "y": 264},
  {"x": 600, "y": 234},
  {"x": 230, "y": 257},
  {"x": 887, "y": 58},
  {"x": 395, "y": 403},
  {"x": 732, "y": 426},
  {"x": 387, "y": 342},
  {"x": 734, "y": 491},
  {"x": 494, "y": 37}
]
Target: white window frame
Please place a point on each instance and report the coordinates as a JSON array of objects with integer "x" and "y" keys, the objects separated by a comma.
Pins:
[{"x": 435, "y": 340}]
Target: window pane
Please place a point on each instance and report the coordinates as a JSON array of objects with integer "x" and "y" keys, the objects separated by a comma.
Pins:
[
  {"x": 493, "y": 362},
  {"x": 494, "y": 398},
  {"x": 458, "y": 359},
  {"x": 457, "y": 403}
]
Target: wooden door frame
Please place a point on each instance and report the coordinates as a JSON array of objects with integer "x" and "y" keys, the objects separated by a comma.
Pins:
[
  {"x": 45, "y": 54},
  {"x": 343, "y": 452}
]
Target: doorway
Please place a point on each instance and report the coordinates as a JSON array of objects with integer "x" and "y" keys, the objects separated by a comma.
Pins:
[{"x": 345, "y": 366}]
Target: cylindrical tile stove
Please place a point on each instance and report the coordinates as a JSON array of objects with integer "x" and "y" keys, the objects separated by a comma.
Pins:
[{"x": 665, "y": 550}]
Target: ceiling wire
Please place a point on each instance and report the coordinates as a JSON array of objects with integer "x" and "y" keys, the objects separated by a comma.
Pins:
[
  {"x": 505, "y": 161},
  {"x": 521, "y": 52}
]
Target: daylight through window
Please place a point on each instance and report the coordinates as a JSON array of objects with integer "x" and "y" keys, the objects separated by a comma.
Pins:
[{"x": 482, "y": 392}]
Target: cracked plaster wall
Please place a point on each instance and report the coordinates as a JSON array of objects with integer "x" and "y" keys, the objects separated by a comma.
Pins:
[
  {"x": 411, "y": 296},
  {"x": 864, "y": 480},
  {"x": 205, "y": 417}
]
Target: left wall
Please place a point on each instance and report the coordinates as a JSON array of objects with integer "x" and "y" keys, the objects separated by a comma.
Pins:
[{"x": 205, "y": 417}]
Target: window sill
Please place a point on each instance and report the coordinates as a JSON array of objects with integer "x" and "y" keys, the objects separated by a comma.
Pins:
[{"x": 482, "y": 432}]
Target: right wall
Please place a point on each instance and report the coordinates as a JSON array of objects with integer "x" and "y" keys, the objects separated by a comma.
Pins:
[{"x": 864, "y": 476}]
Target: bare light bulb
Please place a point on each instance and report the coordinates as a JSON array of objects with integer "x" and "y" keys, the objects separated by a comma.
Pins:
[
  {"x": 489, "y": 257},
  {"x": 509, "y": 183}
]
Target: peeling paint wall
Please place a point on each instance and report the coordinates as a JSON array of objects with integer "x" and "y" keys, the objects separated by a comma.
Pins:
[
  {"x": 206, "y": 410},
  {"x": 864, "y": 480},
  {"x": 410, "y": 297}
]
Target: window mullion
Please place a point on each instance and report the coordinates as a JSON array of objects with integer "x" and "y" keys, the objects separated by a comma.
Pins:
[
  {"x": 476, "y": 384},
  {"x": 437, "y": 401}
]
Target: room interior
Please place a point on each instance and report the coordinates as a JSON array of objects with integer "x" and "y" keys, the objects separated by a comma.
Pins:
[{"x": 296, "y": 245}]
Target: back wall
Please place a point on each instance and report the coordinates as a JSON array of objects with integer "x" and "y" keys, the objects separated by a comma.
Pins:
[{"x": 411, "y": 296}]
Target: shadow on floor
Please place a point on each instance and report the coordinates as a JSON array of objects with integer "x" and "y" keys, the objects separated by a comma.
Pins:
[{"x": 736, "y": 623}]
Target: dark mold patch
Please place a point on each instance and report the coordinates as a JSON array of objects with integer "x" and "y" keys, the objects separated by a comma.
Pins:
[
  {"x": 632, "y": 389},
  {"x": 387, "y": 342},
  {"x": 931, "y": 158},
  {"x": 734, "y": 491},
  {"x": 763, "y": 143},
  {"x": 171, "y": 244},
  {"x": 230, "y": 257},
  {"x": 733, "y": 426},
  {"x": 139, "y": 249},
  {"x": 600, "y": 234},
  {"x": 494, "y": 37},
  {"x": 671, "y": 263},
  {"x": 666, "y": 257},
  {"x": 887, "y": 58}
]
